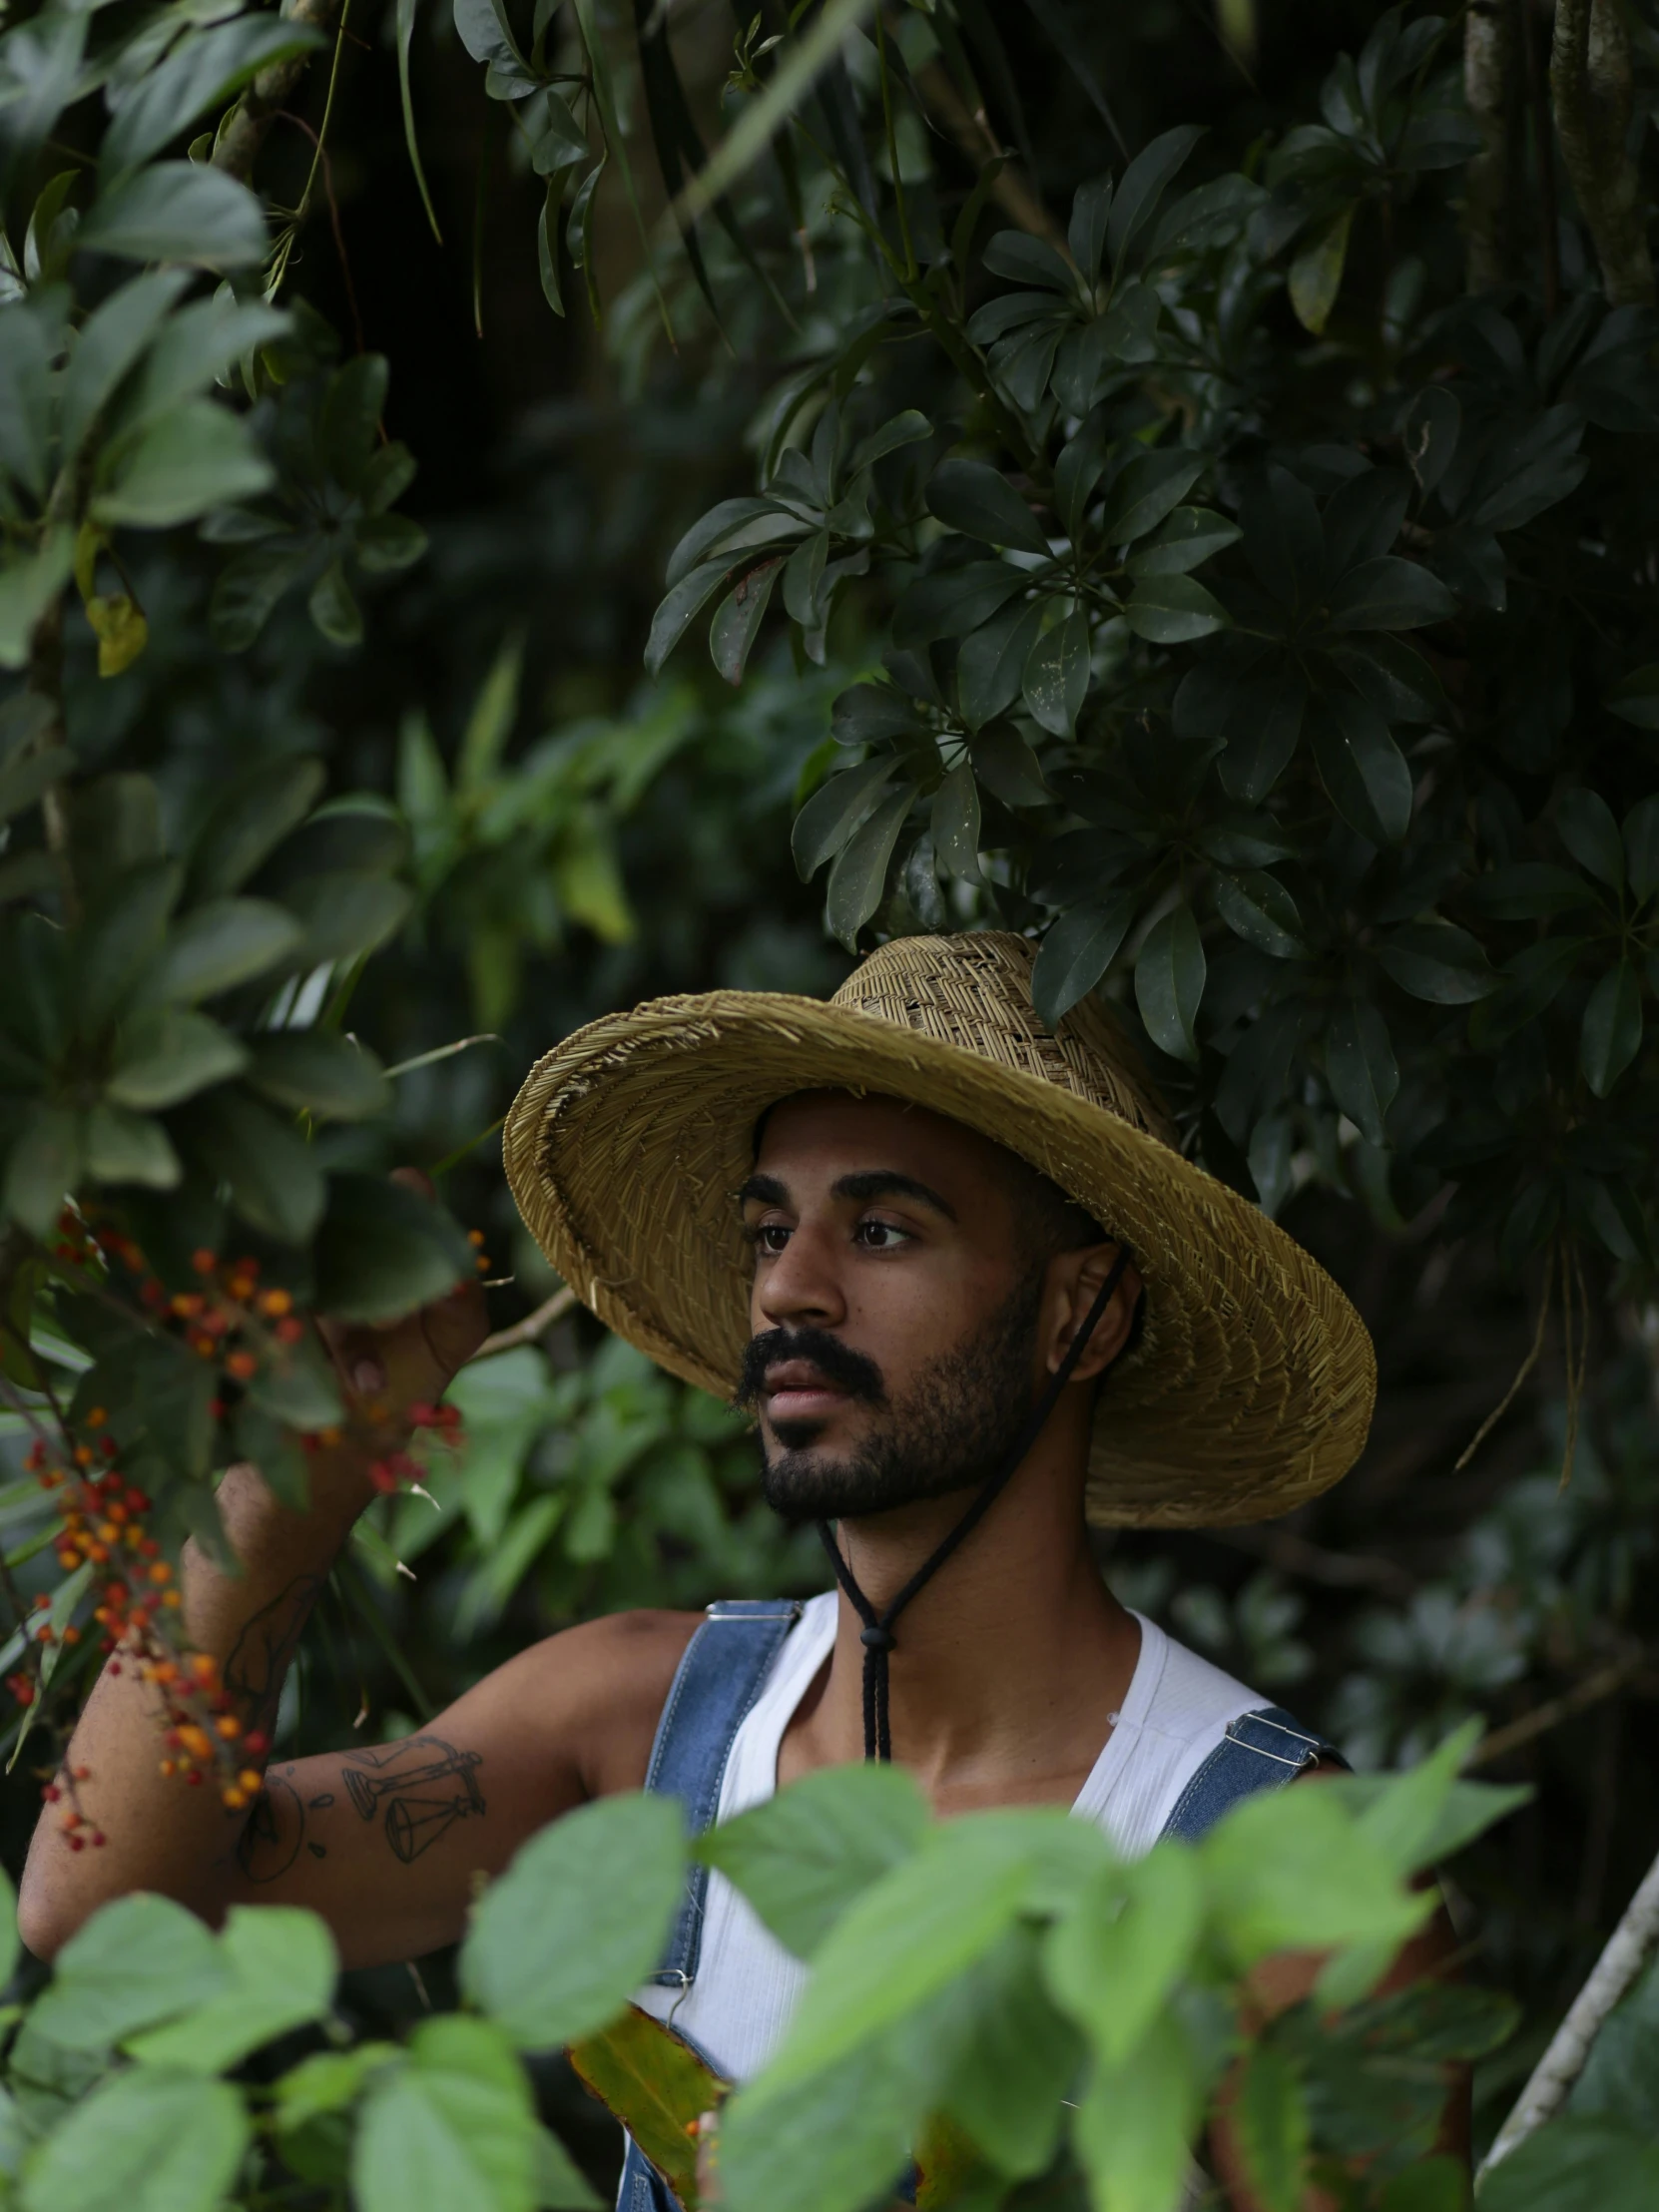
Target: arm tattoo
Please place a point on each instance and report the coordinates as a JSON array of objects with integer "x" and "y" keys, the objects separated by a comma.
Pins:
[
  {"x": 259, "y": 1657},
  {"x": 425, "y": 1784}
]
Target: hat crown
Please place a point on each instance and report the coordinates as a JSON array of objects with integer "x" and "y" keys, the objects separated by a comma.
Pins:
[{"x": 973, "y": 991}]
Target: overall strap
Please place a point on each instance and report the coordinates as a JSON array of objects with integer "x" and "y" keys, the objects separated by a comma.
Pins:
[
  {"x": 1260, "y": 1751},
  {"x": 715, "y": 1687}
]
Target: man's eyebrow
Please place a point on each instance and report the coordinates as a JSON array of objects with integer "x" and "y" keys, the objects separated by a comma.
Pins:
[
  {"x": 876, "y": 1182},
  {"x": 762, "y": 1190}
]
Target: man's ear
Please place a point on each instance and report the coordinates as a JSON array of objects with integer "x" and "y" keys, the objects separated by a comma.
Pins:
[{"x": 1081, "y": 1276}]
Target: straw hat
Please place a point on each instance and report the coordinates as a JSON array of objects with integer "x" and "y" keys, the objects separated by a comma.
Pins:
[{"x": 1252, "y": 1383}]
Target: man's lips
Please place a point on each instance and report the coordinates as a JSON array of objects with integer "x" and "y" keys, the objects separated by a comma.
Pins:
[{"x": 797, "y": 1391}]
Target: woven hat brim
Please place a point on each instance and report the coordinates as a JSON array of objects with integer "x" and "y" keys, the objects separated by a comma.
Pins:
[{"x": 1253, "y": 1386}]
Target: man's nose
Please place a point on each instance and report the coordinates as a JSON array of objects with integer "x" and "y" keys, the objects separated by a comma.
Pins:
[{"x": 801, "y": 1286}]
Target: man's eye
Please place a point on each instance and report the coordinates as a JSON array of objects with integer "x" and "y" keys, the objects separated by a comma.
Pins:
[
  {"x": 769, "y": 1237},
  {"x": 881, "y": 1236}
]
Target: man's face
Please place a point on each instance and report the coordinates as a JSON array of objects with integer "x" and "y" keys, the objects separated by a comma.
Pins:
[{"x": 894, "y": 1308}]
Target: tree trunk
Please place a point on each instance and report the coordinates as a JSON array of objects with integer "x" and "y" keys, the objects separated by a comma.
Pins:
[
  {"x": 1593, "y": 91},
  {"x": 1487, "y": 66}
]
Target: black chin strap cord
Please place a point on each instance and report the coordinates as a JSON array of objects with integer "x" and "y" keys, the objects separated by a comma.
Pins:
[{"x": 878, "y": 1639}]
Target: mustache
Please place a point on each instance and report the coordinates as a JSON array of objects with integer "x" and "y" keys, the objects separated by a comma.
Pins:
[{"x": 849, "y": 1370}]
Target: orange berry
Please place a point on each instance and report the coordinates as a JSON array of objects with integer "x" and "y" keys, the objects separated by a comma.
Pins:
[
  {"x": 187, "y": 1303},
  {"x": 195, "y": 1741},
  {"x": 228, "y": 1727},
  {"x": 475, "y": 1235},
  {"x": 172, "y": 1600},
  {"x": 234, "y": 1799},
  {"x": 243, "y": 1365},
  {"x": 289, "y": 1330},
  {"x": 204, "y": 1261},
  {"x": 203, "y": 1665},
  {"x": 241, "y": 1286},
  {"x": 275, "y": 1302},
  {"x": 160, "y": 1572},
  {"x": 84, "y": 1455},
  {"x": 96, "y": 1417},
  {"x": 249, "y": 1780},
  {"x": 169, "y": 1767}
]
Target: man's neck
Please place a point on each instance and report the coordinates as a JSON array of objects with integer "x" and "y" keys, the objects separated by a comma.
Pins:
[{"x": 1009, "y": 1663}]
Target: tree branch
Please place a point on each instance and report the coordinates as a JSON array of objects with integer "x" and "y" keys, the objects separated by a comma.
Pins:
[
  {"x": 1486, "y": 67},
  {"x": 1593, "y": 86},
  {"x": 526, "y": 1332},
  {"x": 1563, "y": 2063},
  {"x": 243, "y": 129}
]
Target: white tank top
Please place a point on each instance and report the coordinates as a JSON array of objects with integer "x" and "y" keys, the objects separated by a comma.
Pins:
[{"x": 748, "y": 1984}]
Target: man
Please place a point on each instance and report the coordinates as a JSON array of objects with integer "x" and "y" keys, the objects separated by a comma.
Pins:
[{"x": 973, "y": 1294}]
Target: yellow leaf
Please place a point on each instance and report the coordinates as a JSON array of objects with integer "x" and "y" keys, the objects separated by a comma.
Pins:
[
  {"x": 122, "y": 632},
  {"x": 659, "y": 2089},
  {"x": 1317, "y": 272}
]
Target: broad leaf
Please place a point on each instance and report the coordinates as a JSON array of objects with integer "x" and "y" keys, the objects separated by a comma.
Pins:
[
  {"x": 178, "y": 211},
  {"x": 1076, "y": 953},
  {"x": 804, "y": 1856},
  {"x": 147, "y": 2140},
  {"x": 578, "y": 1920},
  {"x": 970, "y": 496},
  {"x": 1169, "y": 983}
]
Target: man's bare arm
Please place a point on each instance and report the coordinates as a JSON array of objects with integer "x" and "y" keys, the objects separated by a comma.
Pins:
[{"x": 384, "y": 1841}]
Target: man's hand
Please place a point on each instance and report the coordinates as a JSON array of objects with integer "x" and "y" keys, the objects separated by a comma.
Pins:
[{"x": 389, "y": 1370}]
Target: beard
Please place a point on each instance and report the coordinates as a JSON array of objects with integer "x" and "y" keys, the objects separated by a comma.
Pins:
[{"x": 951, "y": 1431}]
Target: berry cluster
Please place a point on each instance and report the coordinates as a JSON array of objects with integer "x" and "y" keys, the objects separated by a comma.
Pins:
[{"x": 240, "y": 1325}]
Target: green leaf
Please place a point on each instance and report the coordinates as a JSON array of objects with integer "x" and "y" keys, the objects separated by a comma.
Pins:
[
  {"x": 1076, "y": 953},
  {"x": 320, "y": 1072},
  {"x": 840, "y": 2137},
  {"x": 859, "y": 876},
  {"x": 28, "y": 339},
  {"x": 991, "y": 661},
  {"x": 249, "y": 820},
  {"x": 1641, "y": 849},
  {"x": 804, "y": 1857},
  {"x": 1360, "y": 1068},
  {"x": 28, "y": 587},
  {"x": 1612, "y": 1035},
  {"x": 455, "y": 2127},
  {"x": 928, "y": 1919},
  {"x": 1438, "y": 962},
  {"x": 1173, "y": 610},
  {"x": 136, "y": 1962},
  {"x": 199, "y": 456},
  {"x": 219, "y": 945},
  {"x": 1169, "y": 983},
  {"x": 1620, "y": 2080},
  {"x": 835, "y": 811},
  {"x": 1055, "y": 680},
  {"x": 384, "y": 1250},
  {"x": 405, "y": 33},
  {"x": 905, "y": 428},
  {"x": 1016, "y": 2061},
  {"x": 1114, "y": 1959},
  {"x": 166, "y": 1055},
  {"x": 1590, "y": 833},
  {"x": 274, "y": 1182},
  {"x": 578, "y": 1920},
  {"x": 43, "y": 1168},
  {"x": 1389, "y": 594},
  {"x": 1572, "y": 2163},
  {"x": 24, "y": 781},
  {"x": 1258, "y": 907},
  {"x": 248, "y": 587},
  {"x": 124, "y": 1147},
  {"x": 144, "y": 2141},
  {"x": 1087, "y": 231},
  {"x": 386, "y": 544},
  {"x": 1363, "y": 771},
  {"x": 1635, "y": 698},
  {"x": 345, "y": 913},
  {"x": 283, "y": 1966},
  {"x": 1315, "y": 275},
  {"x": 201, "y": 71},
  {"x": 691, "y": 593},
  {"x": 981, "y": 502},
  {"x": 955, "y": 601},
  {"x": 1135, "y": 2124},
  {"x": 954, "y": 823},
  {"x": 178, "y": 211},
  {"x": 1268, "y": 2112},
  {"x": 737, "y": 620},
  {"x": 111, "y": 339},
  {"x": 1293, "y": 1870},
  {"x": 1148, "y": 490},
  {"x": 1189, "y": 536},
  {"x": 1141, "y": 187},
  {"x": 333, "y": 608}
]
